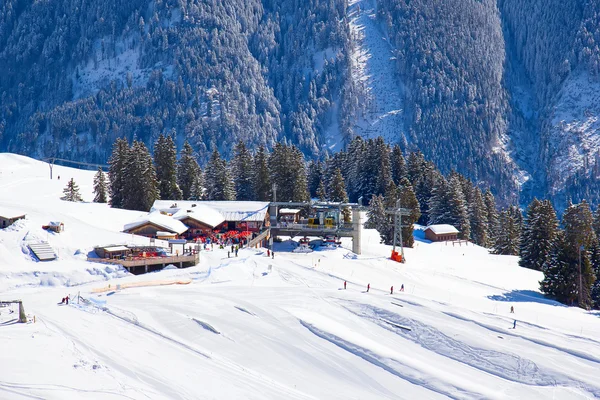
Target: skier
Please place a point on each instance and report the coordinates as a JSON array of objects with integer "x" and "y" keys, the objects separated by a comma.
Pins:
[
  {"x": 392, "y": 290},
  {"x": 67, "y": 300},
  {"x": 368, "y": 287},
  {"x": 402, "y": 288},
  {"x": 228, "y": 254},
  {"x": 232, "y": 248},
  {"x": 268, "y": 253},
  {"x": 515, "y": 324},
  {"x": 512, "y": 310},
  {"x": 344, "y": 285},
  {"x": 236, "y": 251},
  {"x": 273, "y": 255}
]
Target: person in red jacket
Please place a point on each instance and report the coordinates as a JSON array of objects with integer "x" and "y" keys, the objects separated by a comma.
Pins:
[
  {"x": 392, "y": 290},
  {"x": 368, "y": 287},
  {"x": 344, "y": 285}
]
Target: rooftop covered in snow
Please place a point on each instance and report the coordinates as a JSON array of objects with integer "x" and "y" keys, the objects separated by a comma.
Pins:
[
  {"x": 162, "y": 221},
  {"x": 442, "y": 229},
  {"x": 230, "y": 210},
  {"x": 202, "y": 213}
]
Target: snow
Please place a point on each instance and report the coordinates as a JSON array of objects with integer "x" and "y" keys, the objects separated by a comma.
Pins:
[
  {"x": 256, "y": 327},
  {"x": 289, "y": 211},
  {"x": 375, "y": 76},
  {"x": 442, "y": 229},
  {"x": 164, "y": 221}
]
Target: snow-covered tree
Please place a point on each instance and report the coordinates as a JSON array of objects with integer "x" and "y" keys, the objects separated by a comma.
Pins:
[
  {"x": 261, "y": 180},
  {"x": 322, "y": 191},
  {"x": 71, "y": 192},
  {"x": 508, "y": 233},
  {"x": 408, "y": 200},
  {"x": 492, "y": 218},
  {"x": 538, "y": 235},
  {"x": 165, "y": 162},
  {"x": 478, "y": 219},
  {"x": 243, "y": 170},
  {"x": 100, "y": 187},
  {"x": 398, "y": 164},
  {"x": 117, "y": 172},
  {"x": 218, "y": 180},
  {"x": 188, "y": 172}
]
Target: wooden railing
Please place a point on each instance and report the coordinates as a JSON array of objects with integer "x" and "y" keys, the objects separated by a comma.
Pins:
[{"x": 141, "y": 261}]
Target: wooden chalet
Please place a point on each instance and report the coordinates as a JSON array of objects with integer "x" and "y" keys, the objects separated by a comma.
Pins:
[
  {"x": 149, "y": 225},
  {"x": 7, "y": 218},
  {"x": 441, "y": 233}
]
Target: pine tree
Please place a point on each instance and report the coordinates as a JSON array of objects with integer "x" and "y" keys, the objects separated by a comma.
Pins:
[
  {"x": 100, "y": 187},
  {"x": 322, "y": 191},
  {"x": 188, "y": 172},
  {"x": 439, "y": 202},
  {"x": 408, "y": 199},
  {"x": 559, "y": 275},
  {"x": 579, "y": 237},
  {"x": 165, "y": 162},
  {"x": 458, "y": 210},
  {"x": 398, "y": 163},
  {"x": 337, "y": 188},
  {"x": 478, "y": 219},
  {"x": 261, "y": 179},
  {"x": 218, "y": 181},
  {"x": 415, "y": 167},
  {"x": 595, "y": 263},
  {"x": 242, "y": 169},
  {"x": 197, "y": 192},
  {"x": 116, "y": 172},
  {"x": 376, "y": 216},
  {"x": 141, "y": 184},
  {"x": 492, "y": 218},
  {"x": 424, "y": 189},
  {"x": 71, "y": 192},
  {"x": 508, "y": 233},
  {"x": 539, "y": 232},
  {"x": 315, "y": 175}
]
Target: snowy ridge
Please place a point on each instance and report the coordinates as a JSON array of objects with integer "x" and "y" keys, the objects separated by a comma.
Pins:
[{"x": 375, "y": 76}]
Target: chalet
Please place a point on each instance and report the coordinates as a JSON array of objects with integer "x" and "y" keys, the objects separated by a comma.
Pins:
[
  {"x": 113, "y": 251},
  {"x": 237, "y": 215},
  {"x": 289, "y": 215},
  {"x": 149, "y": 225},
  {"x": 7, "y": 218},
  {"x": 200, "y": 220},
  {"x": 440, "y": 233}
]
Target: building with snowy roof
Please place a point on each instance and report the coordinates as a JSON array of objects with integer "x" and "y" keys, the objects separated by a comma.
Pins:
[
  {"x": 8, "y": 217},
  {"x": 216, "y": 215},
  {"x": 150, "y": 224},
  {"x": 441, "y": 232}
]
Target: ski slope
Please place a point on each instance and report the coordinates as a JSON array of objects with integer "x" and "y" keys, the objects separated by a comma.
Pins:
[{"x": 254, "y": 327}]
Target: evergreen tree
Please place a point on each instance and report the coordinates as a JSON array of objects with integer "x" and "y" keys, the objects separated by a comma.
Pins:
[
  {"x": 261, "y": 179},
  {"x": 322, "y": 191},
  {"x": 188, "y": 172},
  {"x": 424, "y": 189},
  {"x": 315, "y": 175},
  {"x": 141, "y": 184},
  {"x": 218, "y": 180},
  {"x": 197, "y": 192},
  {"x": 508, "y": 233},
  {"x": 458, "y": 210},
  {"x": 415, "y": 167},
  {"x": 408, "y": 200},
  {"x": 439, "y": 202},
  {"x": 595, "y": 262},
  {"x": 384, "y": 170},
  {"x": 100, "y": 187},
  {"x": 398, "y": 163},
  {"x": 242, "y": 168},
  {"x": 478, "y": 219},
  {"x": 390, "y": 202},
  {"x": 559, "y": 275},
  {"x": 579, "y": 237},
  {"x": 337, "y": 188},
  {"x": 165, "y": 161},
  {"x": 492, "y": 218},
  {"x": 71, "y": 192},
  {"x": 117, "y": 172},
  {"x": 539, "y": 232},
  {"x": 376, "y": 216}
]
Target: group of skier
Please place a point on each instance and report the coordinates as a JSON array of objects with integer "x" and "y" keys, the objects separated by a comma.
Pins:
[{"x": 369, "y": 287}]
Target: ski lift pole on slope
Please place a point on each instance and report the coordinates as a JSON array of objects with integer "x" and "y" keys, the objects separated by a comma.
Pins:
[{"x": 398, "y": 212}]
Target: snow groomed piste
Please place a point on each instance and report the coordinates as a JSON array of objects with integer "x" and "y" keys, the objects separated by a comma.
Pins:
[{"x": 263, "y": 328}]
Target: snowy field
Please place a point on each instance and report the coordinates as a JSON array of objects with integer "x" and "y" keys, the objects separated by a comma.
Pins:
[{"x": 253, "y": 327}]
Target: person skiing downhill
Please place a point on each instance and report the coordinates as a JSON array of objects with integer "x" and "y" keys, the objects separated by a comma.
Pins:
[
  {"x": 392, "y": 290},
  {"x": 344, "y": 285},
  {"x": 368, "y": 287},
  {"x": 515, "y": 324},
  {"x": 402, "y": 288}
]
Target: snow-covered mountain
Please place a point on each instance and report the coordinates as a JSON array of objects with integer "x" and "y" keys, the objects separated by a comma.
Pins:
[
  {"x": 256, "y": 327},
  {"x": 503, "y": 91}
]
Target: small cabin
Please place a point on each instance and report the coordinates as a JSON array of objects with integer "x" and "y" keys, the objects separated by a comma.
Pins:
[
  {"x": 289, "y": 215},
  {"x": 441, "y": 233},
  {"x": 54, "y": 226},
  {"x": 7, "y": 219},
  {"x": 112, "y": 251}
]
